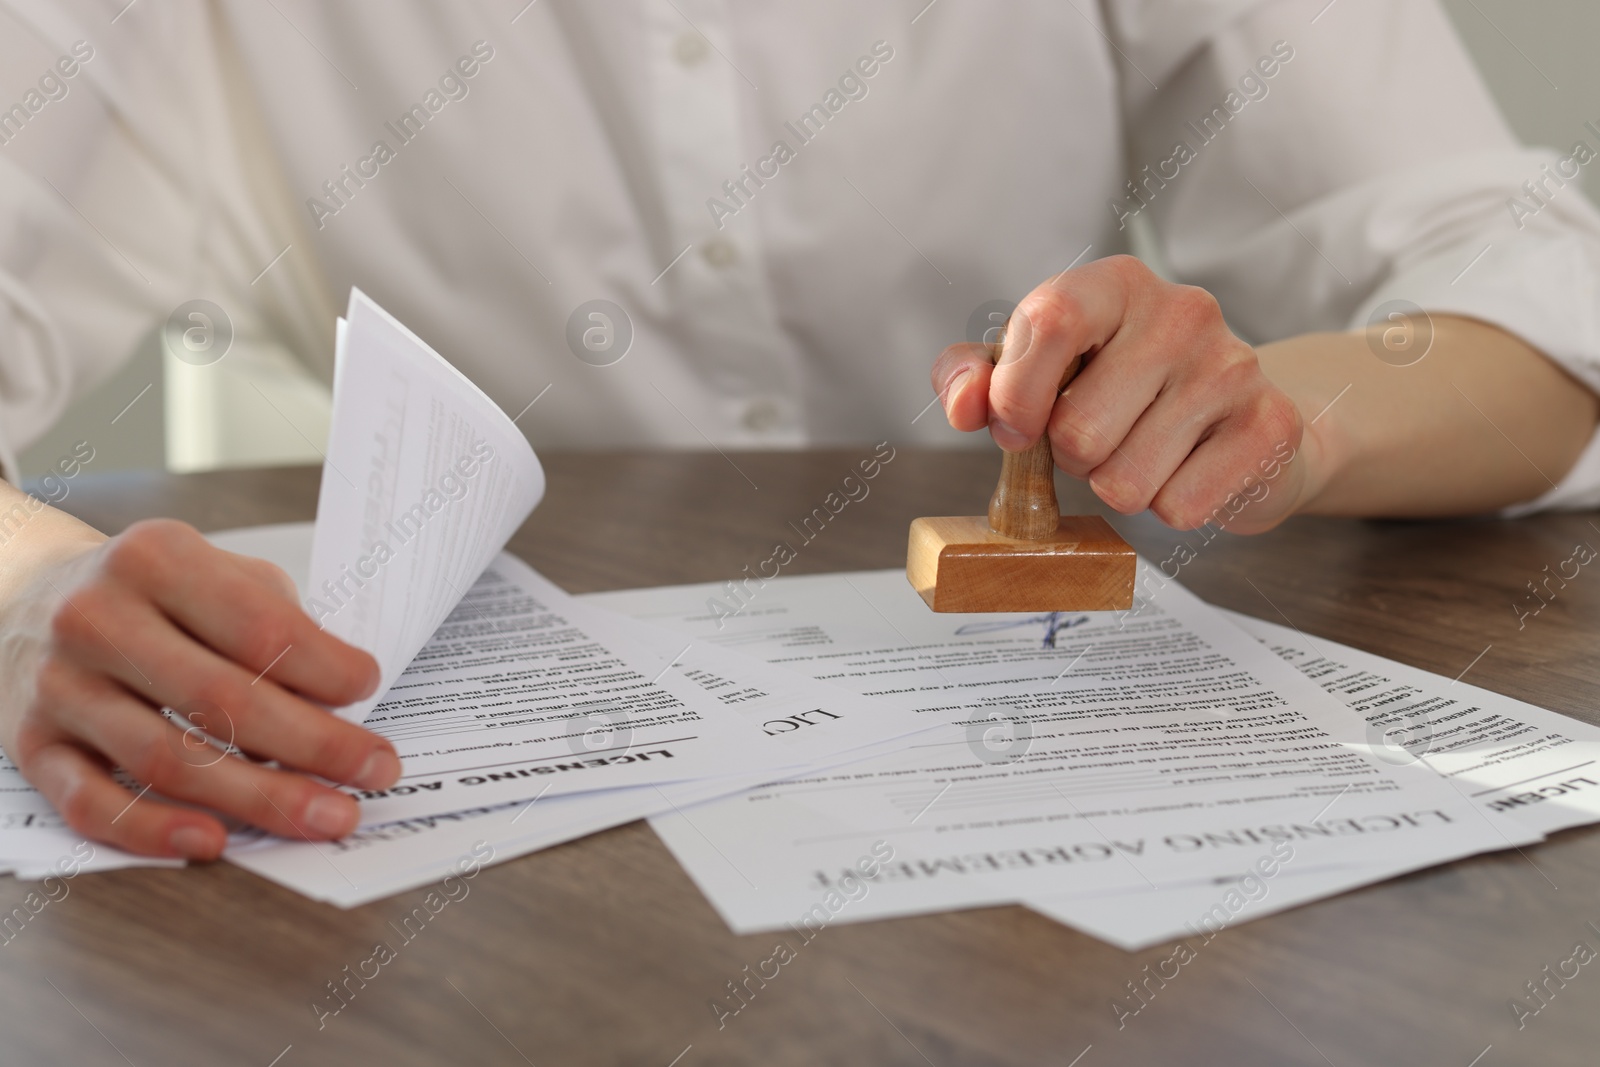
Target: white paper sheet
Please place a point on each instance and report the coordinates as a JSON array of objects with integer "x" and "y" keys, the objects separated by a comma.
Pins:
[
  {"x": 1523, "y": 766},
  {"x": 1148, "y": 747},
  {"x": 33, "y": 836},
  {"x": 1510, "y": 757},
  {"x": 1195, "y": 913},
  {"x": 425, "y": 481},
  {"x": 34, "y": 856},
  {"x": 381, "y": 860}
]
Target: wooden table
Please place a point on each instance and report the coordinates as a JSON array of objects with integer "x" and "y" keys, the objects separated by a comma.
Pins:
[{"x": 603, "y": 952}]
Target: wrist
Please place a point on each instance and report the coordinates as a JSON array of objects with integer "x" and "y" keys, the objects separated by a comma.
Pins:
[
  {"x": 34, "y": 537},
  {"x": 1316, "y": 371},
  {"x": 1322, "y": 453}
]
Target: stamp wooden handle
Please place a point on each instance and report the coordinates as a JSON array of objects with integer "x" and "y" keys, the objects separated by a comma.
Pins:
[{"x": 1024, "y": 503}]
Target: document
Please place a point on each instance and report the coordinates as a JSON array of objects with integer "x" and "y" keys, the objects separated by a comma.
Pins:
[
  {"x": 1084, "y": 752},
  {"x": 382, "y": 859},
  {"x": 524, "y": 690},
  {"x": 1525, "y": 768},
  {"x": 483, "y": 654}
]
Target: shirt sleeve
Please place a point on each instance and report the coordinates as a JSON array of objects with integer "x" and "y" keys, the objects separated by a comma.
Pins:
[
  {"x": 1310, "y": 162},
  {"x": 129, "y": 188},
  {"x": 91, "y": 223}
]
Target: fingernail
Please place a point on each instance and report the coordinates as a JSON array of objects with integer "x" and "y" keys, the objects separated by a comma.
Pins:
[
  {"x": 1103, "y": 489},
  {"x": 380, "y": 770},
  {"x": 191, "y": 842},
  {"x": 952, "y": 387},
  {"x": 331, "y": 816},
  {"x": 1007, "y": 436},
  {"x": 1114, "y": 493}
]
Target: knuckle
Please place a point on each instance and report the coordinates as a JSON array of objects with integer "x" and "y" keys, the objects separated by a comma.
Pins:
[
  {"x": 270, "y": 633},
  {"x": 1075, "y": 440},
  {"x": 1222, "y": 377},
  {"x": 338, "y": 753},
  {"x": 153, "y": 760},
  {"x": 53, "y": 686},
  {"x": 1193, "y": 306},
  {"x": 75, "y": 803},
  {"x": 273, "y": 576},
  {"x": 142, "y": 550},
  {"x": 1237, "y": 364},
  {"x": 267, "y": 805},
  {"x": 1131, "y": 270},
  {"x": 1277, "y": 417},
  {"x": 222, "y": 690},
  {"x": 31, "y": 738},
  {"x": 1051, "y": 312},
  {"x": 72, "y": 622}
]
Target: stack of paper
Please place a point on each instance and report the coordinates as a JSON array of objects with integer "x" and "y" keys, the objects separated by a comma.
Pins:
[
  {"x": 1523, "y": 768},
  {"x": 833, "y": 751},
  {"x": 1134, "y": 775}
]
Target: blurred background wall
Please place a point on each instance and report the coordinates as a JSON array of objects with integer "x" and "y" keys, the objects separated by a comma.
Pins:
[{"x": 1539, "y": 58}]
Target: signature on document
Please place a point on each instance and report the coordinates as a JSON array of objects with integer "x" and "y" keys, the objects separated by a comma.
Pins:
[{"x": 1053, "y": 622}]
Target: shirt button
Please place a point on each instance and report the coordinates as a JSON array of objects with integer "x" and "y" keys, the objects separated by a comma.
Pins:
[
  {"x": 719, "y": 252},
  {"x": 762, "y": 416},
  {"x": 690, "y": 49}
]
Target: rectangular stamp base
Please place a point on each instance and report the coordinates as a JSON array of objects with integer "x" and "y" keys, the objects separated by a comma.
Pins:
[{"x": 960, "y": 565}]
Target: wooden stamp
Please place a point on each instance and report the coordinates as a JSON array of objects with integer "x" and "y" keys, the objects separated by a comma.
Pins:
[{"x": 1025, "y": 555}]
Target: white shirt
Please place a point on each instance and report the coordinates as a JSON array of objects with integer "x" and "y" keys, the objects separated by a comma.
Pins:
[{"x": 951, "y": 154}]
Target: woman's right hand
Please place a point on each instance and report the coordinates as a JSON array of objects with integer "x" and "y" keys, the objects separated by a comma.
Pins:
[{"x": 96, "y": 641}]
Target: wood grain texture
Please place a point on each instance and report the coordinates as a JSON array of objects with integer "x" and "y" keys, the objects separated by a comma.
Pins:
[
  {"x": 1024, "y": 502},
  {"x": 960, "y": 564},
  {"x": 602, "y": 952}
]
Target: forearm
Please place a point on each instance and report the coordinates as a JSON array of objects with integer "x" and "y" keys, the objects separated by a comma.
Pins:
[
  {"x": 1481, "y": 422},
  {"x": 33, "y": 536}
]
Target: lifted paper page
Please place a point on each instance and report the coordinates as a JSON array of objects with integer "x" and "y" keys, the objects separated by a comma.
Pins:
[
  {"x": 425, "y": 481},
  {"x": 1101, "y": 751}
]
